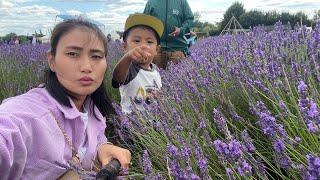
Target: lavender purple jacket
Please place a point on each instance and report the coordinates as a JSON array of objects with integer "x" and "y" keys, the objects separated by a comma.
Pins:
[{"x": 31, "y": 143}]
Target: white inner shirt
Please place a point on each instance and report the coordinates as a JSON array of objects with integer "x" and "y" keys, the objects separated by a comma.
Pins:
[{"x": 85, "y": 119}]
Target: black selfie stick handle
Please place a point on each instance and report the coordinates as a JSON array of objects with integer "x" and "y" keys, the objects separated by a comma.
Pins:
[{"x": 109, "y": 171}]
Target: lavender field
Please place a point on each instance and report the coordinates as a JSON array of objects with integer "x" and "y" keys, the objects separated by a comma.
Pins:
[{"x": 240, "y": 107}]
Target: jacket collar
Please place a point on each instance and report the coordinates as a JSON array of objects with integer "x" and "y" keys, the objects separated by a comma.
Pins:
[
  {"x": 72, "y": 112},
  {"x": 68, "y": 112}
]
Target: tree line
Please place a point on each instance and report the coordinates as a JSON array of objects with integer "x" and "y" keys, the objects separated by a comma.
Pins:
[
  {"x": 253, "y": 18},
  {"x": 246, "y": 18}
]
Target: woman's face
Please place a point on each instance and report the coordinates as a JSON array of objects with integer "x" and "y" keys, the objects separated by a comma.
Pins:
[{"x": 80, "y": 62}]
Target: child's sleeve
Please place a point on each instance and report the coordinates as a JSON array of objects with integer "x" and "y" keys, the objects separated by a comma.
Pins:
[
  {"x": 133, "y": 72},
  {"x": 188, "y": 18}
]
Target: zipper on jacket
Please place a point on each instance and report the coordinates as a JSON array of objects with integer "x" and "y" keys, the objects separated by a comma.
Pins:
[{"x": 166, "y": 24}]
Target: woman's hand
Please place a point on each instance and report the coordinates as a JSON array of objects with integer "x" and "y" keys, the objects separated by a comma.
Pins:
[{"x": 107, "y": 152}]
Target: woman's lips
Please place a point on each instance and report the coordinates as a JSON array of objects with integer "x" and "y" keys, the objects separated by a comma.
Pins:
[{"x": 86, "y": 80}]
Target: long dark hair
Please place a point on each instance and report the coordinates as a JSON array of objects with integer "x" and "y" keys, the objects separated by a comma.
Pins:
[{"x": 55, "y": 88}]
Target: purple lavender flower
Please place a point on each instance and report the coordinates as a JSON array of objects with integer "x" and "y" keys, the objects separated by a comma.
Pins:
[
  {"x": 279, "y": 146},
  {"x": 308, "y": 108},
  {"x": 248, "y": 142},
  {"x": 268, "y": 123},
  {"x": 173, "y": 159},
  {"x": 194, "y": 177},
  {"x": 147, "y": 166},
  {"x": 221, "y": 123},
  {"x": 281, "y": 131},
  {"x": 231, "y": 153},
  {"x": 235, "y": 149},
  {"x": 202, "y": 160},
  {"x": 302, "y": 88},
  {"x": 228, "y": 151},
  {"x": 229, "y": 173},
  {"x": 295, "y": 141},
  {"x": 244, "y": 168},
  {"x": 283, "y": 106},
  {"x": 313, "y": 110},
  {"x": 222, "y": 149},
  {"x": 274, "y": 132},
  {"x": 313, "y": 166},
  {"x": 202, "y": 124}
]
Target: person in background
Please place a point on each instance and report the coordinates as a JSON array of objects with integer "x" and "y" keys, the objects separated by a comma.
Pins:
[
  {"x": 12, "y": 41},
  {"x": 16, "y": 41},
  {"x": 191, "y": 38},
  {"x": 178, "y": 19},
  {"x": 34, "y": 39},
  {"x": 109, "y": 38},
  {"x": 61, "y": 123},
  {"x": 135, "y": 75}
]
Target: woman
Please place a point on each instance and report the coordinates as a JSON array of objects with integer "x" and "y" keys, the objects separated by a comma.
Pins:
[{"x": 61, "y": 123}]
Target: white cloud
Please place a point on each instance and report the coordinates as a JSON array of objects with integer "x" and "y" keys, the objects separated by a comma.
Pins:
[
  {"x": 27, "y": 19},
  {"x": 112, "y": 21},
  {"x": 209, "y": 11},
  {"x": 292, "y": 6},
  {"x": 5, "y": 4},
  {"x": 128, "y": 9},
  {"x": 212, "y": 11},
  {"x": 74, "y": 12},
  {"x": 21, "y": 17},
  {"x": 35, "y": 10}
]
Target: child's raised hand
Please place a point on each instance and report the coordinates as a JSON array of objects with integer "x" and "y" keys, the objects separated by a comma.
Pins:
[{"x": 139, "y": 54}]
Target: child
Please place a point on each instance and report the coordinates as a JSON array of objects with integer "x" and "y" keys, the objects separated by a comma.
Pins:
[
  {"x": 47, "y": 130},
  {"x": 191, "y": 38},
  {"x": 135, "y": 75}
]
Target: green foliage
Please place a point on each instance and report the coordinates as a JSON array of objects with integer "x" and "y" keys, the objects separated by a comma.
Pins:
[
  {"x": 251, "y": 18},
  {"x": 236, "y": 10},
  {"x": 206, "y": 27},
  {"x": 316, "y": 15},
  {"x": 18, "y": 77},
  {"x": 214, "y": 32},
  {"x": 9, "y": 36},
  {"x": 271, "y": 17},
  {"x": 254, "y": 17},
  {"x": 23, "y": 39},
  {"x": 300, "y": 16}
]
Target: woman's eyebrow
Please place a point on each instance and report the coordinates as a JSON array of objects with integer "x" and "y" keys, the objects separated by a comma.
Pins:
[
  {"x": 96, "y": 51},
  {"x": 75, "y": 48},
  {"x": 80, "y": 49}
]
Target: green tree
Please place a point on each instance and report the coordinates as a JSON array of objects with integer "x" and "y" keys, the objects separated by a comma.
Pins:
[
  {"x": 23, "y": 39},
  {"x": 316, "y": 18},
  {"x": 199, "y": 26},
  {"x": 9, "y": 36},
  {"x": 286, "y": 17},
  {"x": 271, "y": 17},
  {"x": 252, "y": 18},
  {"x": 236, "y": 10},
  {"x": 316, "y": 15}
]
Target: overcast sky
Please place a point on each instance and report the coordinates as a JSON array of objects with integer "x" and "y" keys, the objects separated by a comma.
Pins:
[{"x": 26, "y": 16}]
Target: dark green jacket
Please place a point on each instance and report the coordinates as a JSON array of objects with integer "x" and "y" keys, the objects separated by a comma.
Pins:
[{"x": 172, "y": 13}]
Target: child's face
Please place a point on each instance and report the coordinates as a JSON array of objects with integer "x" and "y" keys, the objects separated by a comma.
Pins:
[
  {"x": 142, "y": 36},
  {"x": 79, "y": 62}
]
